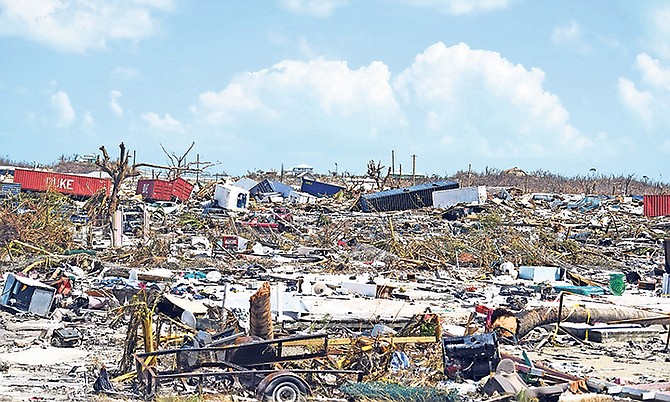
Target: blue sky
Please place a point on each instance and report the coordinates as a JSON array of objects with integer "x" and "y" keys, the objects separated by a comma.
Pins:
[{"x": 562, "y": 85}]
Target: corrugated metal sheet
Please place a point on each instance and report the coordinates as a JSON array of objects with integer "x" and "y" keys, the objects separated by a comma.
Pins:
[
  {"x": 269, "y": 186},
  {"x": 401, "y": 199},
  {"x": 319, "y": 189},
  {"x": 181, "y": 189},
  {"x": 656, "y": 205},
  {"x": 36, "y": 180},
  {"x": 9, "y": 189}
]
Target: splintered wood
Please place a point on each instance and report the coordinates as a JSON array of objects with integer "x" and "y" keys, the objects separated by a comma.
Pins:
[{"x": 260, "y": 313}]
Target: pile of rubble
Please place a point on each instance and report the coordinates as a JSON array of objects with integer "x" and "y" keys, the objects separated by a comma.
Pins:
[{"x": 505, "y": 296}]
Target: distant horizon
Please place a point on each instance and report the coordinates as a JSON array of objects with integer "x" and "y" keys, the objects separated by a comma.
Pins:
[{"x": 287, "y": 169}]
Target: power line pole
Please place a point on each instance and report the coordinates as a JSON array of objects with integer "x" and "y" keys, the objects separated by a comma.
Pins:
[
  {"x": 197, "y": 168},
  {"x": 413, "y": 169}
]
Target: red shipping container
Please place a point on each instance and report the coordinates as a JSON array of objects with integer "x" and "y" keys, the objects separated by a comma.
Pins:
[
  {"x": 36, "y": 180},
  {"x": 656, "y": 205},
  {"x": 154, "y": 189},
  {"x": 181, "y": 189}
]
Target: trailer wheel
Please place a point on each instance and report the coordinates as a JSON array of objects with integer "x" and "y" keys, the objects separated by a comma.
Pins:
[
  {"x": 283, "y": 387},
  {"x": 286, "y": 392}
]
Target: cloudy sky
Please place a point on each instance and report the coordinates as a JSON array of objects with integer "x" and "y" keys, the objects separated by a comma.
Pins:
[{"x": 559, "y": 85}]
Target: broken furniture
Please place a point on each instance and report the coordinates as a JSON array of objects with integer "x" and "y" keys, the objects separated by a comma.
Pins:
[
  {"x": 26, "y": 295},
  {"x": 506, "y": 381}
]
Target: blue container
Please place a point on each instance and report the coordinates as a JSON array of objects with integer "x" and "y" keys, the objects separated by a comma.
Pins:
[
  {"x": 269, "y": 186},
  {"x": 319, "y": 189},
  {"x": 401, "y": 199},
  {"x": 9, "y": 189}
]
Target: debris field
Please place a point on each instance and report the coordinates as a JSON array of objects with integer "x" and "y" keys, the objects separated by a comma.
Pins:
[{"x": 322, "y": 290}]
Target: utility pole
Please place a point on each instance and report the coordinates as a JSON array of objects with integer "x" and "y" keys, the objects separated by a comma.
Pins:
[
  {"x": 197, "y": 168},
  {"x": 413, "y": 169},
  {"x": 393, "y": 162}
]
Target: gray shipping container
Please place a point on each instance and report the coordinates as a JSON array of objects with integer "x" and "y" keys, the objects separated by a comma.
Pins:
[{"x": 463, "y": 195}]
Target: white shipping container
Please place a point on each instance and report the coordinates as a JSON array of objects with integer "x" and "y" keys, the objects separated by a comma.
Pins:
[
  {"x": 464, "y": 195},
  {"x": 231, "y": 197},
  {"x": 297, "y": 197}
]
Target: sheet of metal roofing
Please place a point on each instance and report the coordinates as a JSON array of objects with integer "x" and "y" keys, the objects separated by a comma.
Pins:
[
  {"x": 401, "y": 199},
  {"x": 656, "y": 205}
]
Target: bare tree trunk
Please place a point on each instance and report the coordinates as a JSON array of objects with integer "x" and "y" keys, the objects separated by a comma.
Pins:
[
  {"x": 118, "y": 170},
  {"x": 260, "y": 313},
  {"x": 530, "y": 319}
]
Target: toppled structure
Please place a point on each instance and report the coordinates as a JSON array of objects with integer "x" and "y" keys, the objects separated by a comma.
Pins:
[{"x": 402, "y": 199}]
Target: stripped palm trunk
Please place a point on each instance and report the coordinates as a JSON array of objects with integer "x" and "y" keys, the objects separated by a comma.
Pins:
[
  {"x": 260, "y": 313},
  {"x": 530, "y": 319}
]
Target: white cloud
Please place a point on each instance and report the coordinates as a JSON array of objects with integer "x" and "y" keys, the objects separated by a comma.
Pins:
[
  {"x": 78, "y": 25},
  {"x": 168, "y": 123},
  {"x": 567, "y": 33},
  {"x": 88, "y": 120},
  {"x": 652, "y": 72},
  {"x": 659, "y": 30},
  {"x": 65, "y": 113},
  {"x": 450, "y": 101},
  {"x": 460, "y": 7},
  {"x": 570, "y": 35},
  {"x": 125, "y": 72},
  {"x": 114, "y": 104},
  {"x": 649, "y": 97},
  {"x": 291, "y": 88},
  {"x": 485, "y": 100},
  {"x": 637, "y": 101},
  {"x": 317, "y": 8}
]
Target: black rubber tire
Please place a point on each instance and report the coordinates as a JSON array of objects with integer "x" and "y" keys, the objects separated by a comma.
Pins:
[{"x": 286, "y": 391}]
